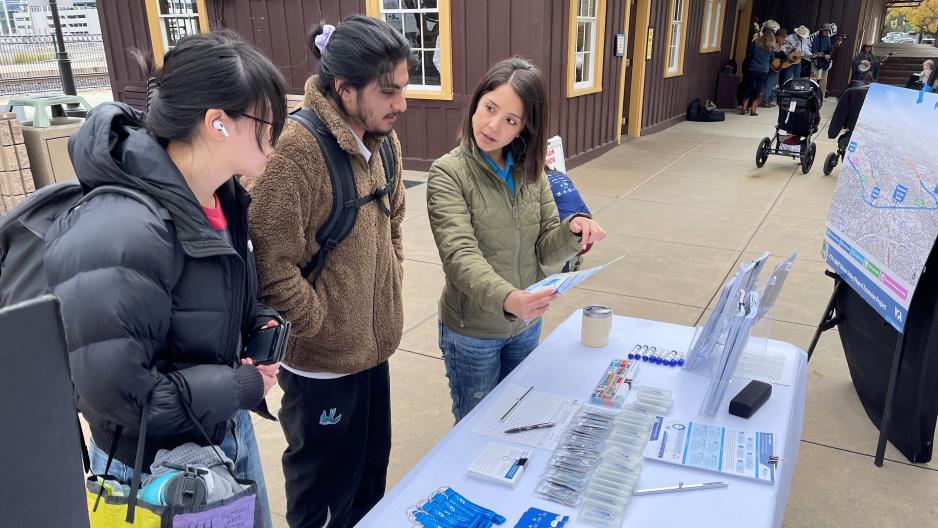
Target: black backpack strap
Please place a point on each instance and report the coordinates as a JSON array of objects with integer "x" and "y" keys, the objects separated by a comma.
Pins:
[
  {"x": 138, "y": 464},
  {"x": 107, "y": 466},
  {"x": 345, "y": 201},
  {"x": 390, "y": 177}
]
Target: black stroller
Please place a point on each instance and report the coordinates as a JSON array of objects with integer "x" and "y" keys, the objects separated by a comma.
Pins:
[
  {"x": 845, "y": 118},
  {"x": 799, "y": 113}
]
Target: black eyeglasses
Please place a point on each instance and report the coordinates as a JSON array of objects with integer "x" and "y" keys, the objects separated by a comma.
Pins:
[{"x": 259, "y": 120}]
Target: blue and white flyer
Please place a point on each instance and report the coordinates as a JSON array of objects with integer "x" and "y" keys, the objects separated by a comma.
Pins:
[
  {"x": 712, "y": 447},
  {"x": 884, "y": 215}
]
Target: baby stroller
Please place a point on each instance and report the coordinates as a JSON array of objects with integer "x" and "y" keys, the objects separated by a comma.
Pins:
[
  {"x": 799, "y": 113},
  {"x": 845, "y": 118}
]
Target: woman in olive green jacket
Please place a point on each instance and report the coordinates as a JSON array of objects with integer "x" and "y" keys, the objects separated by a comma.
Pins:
[{"x": 495, "y": 223}]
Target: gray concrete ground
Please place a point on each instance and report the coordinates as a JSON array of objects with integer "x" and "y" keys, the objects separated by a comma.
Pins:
[{"x": 684, "y": 206}]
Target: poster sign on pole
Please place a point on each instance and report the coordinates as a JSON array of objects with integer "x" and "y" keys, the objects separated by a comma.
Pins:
[{"x": 883, "y": 218}]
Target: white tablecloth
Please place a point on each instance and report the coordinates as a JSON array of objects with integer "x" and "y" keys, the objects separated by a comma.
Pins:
[{"x": 562, "y": 365}]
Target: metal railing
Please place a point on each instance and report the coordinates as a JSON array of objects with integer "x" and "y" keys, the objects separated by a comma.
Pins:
[{"x": 28, "y": 65}]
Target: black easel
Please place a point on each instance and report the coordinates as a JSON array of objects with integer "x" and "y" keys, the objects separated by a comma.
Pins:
[{"x": 830, "y": 320}]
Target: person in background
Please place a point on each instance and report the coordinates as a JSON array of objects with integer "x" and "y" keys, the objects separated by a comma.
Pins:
[
  {"x": 156, "y": 307},
  {"x": 348, "y": 319},
  {"x": 822, "y": 48},
  {"x": 761, "y": 52},
  {"x": 569, "y": 202},
  {"x": 926, "y": 73},
  {"x": 797, "y": 41},
  {"x": 495, "y": 223},
  {"x": 871, "y": 73},
  {"x": 772, "y": 78}
]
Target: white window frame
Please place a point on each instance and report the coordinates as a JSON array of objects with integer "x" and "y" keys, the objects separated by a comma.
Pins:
[
  {"x": 192, "y": 18},
  {"x": 677, "y": 33},
  {"x": 591, "y": 23},
  {"x": 159, "y": 39},
  {"x": 420, "y": 52},
  {"x": 592, "y": 53}
]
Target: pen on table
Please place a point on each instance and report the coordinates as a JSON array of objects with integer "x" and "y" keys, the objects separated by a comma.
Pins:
[
  {"x": 523, "y": 428},
  {"x": 502, "y": 419},
  {"x": 681, "y": 487}
]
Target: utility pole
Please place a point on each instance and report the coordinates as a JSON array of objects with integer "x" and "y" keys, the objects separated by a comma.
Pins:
[{"x": 61, "y": 57}]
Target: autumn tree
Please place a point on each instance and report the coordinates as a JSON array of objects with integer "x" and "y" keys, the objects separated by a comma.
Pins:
[{"x": 923, "y": 18}]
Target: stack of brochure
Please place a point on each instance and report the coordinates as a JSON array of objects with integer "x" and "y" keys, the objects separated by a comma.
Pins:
[{"x": 725, "y": 335}]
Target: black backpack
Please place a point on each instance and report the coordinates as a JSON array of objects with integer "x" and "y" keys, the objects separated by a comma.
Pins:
[
  {"x": 345, "y": 200},
  {"x": 23, "y": 234},
  {"x": 703, "y": 112}
]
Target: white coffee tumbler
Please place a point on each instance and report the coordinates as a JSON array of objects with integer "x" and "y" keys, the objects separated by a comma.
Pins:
[{"x": 597, "y": 323}]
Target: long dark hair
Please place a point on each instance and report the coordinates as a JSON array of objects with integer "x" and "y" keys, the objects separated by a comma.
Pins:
[
  {"x": 360, "y": 50},
  {"x": 530, "y": 148},
  {"x": 213, "y": 70}
]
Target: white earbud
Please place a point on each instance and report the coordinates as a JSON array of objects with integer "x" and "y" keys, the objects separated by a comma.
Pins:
[{"x": 218, "y": 125}]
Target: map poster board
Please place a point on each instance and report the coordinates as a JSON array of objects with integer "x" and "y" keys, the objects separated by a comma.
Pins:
[{"x": 884, "y": 216}]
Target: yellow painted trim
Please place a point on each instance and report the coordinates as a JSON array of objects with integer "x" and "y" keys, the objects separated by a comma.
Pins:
[
  {"x": 203, "y": 17},
  {"x": 680, "y": 45},
  {"x": 156, "y": 34},
  {"x": 637, "y": 89},
  {"x": 599, "y": 52},
  {"x": 742, "y": 34},
  {"x": 719, "y": 39},
  {"x": 428, "y": 95},
  {"x": 620, "y": 104},
  {"x": 156, "y": 37},
  {"x": 373, "y": 10}
]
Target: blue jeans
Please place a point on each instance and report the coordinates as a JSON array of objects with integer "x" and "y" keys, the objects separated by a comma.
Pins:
[
  {"x": 771, "y": 82},
  {"x": 239, "y": 445},
  {"x": 475, "y": 366}
]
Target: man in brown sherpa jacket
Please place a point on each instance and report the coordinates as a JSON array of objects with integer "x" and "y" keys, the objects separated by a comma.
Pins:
[{"x": 336, "y": 410}]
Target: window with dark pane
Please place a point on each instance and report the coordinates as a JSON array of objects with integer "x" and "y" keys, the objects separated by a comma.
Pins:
[{"x": 585, "y": 43}]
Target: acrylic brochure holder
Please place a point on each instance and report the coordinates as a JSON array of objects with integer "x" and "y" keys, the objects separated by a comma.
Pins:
[{"x": 732, "y": 346}]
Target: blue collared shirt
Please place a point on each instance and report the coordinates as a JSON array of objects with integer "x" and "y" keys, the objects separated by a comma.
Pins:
[{"x": 505, "y": 173}]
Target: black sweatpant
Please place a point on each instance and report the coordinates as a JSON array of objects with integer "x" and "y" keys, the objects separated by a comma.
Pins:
[{"x": 338, "y": 445}]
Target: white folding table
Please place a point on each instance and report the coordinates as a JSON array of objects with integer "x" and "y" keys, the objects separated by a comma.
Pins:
[{"x": 562, "y": 365}]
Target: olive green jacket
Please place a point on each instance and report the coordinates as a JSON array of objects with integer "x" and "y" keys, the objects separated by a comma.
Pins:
[{"x": 490, "y": 241}]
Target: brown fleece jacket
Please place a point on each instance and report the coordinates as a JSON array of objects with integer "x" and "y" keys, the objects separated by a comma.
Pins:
[{"x": 353, "y": 318}]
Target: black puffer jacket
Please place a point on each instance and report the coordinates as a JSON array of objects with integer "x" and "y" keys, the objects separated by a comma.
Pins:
[{"x": 153, "y": 308}]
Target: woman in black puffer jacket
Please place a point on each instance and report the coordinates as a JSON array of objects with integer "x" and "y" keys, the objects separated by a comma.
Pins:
[{"x": 157, "y": 298}]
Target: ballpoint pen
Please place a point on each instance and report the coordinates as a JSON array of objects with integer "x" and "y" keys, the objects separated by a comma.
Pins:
[
  {"x": 523, "y": 428},
  {"x": 502, "y": 419},
  {"x": 681, "y": 487}
]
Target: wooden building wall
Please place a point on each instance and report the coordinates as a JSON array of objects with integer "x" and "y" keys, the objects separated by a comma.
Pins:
[
  {"x": 854, "y": 18},
  {"x": 666, "y": 98},
  {"x": 483, "y": 32},
  {"x": 278, "y": 28},
  {"x": 588, "y": 124},
  {"x": 124, "y": 27}
]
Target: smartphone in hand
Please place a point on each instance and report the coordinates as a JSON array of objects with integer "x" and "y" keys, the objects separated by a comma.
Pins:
[{"x": 267, "y": 345}]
